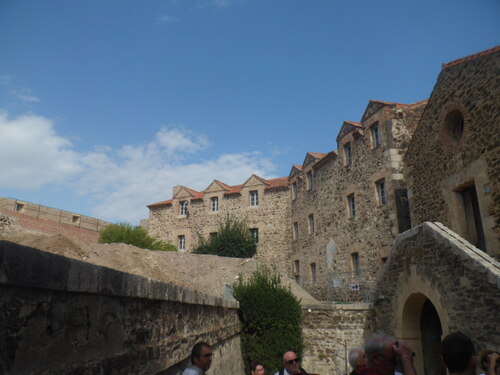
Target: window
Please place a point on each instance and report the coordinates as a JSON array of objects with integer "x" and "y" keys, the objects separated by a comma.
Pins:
[
  {"x": 297, "y": 271},
  {"x": 254, "y": 233},
  {"x": 294, "y": 190},
  {"x": 214, "y": 204},
  {"x": 455, "y": 124},
  {"x": 313, "y": 273},
  {"x": 18, "y": 207},
  {"x": 183, "y": 208},
  {"x": 376, "y": 135},
  {"x": 352, "y": 205},
  {"x": 382, "y": 192},
  {"x": 347, "y": 153},
  {"x": 254, "y": 198},
  {"x": 295, "y": 231},
  {"x": 75, "y": 219},
  {"x": 311, "y": 224},
  {"x": 182, "y": 242},
  {"x": 355, "y": 264},
  {"x": 473, "y": 224},
  {"x": 309, "y": 180}
]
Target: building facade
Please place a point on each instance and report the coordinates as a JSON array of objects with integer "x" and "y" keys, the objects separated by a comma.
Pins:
[{"x": 263, "y": 204}]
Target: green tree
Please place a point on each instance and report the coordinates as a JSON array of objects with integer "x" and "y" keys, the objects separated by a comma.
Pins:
[
  {"x": 233, "y": 239},
  {"x": 132, "y": 235},
  {"x": 271, "y": 319}
]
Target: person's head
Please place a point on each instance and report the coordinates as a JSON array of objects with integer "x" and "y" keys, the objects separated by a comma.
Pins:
[
  {"x": 357, "y": 358},
  {"x": 291, "y": 362},
  {"x": 257, "y": 368},
  {"x": 458, "y": 353},
  {"x": 380, "y": 354},
  {"x": 201, "y": 356}
]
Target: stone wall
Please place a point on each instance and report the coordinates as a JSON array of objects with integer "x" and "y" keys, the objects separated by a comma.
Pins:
[
  {"x": 51, "y": 214},
  {"x": 330, "y": 332},
  {"x": 449, "y": 154},
  {"x": 62, "y": 316},
  {"x": 337, "y": 234},
  {"x": 271, "y": 217},
  {"x": 432, "y": 266}
]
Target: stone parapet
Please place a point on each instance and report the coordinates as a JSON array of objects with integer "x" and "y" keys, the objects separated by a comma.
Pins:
[{"x": 63, "y": 316}]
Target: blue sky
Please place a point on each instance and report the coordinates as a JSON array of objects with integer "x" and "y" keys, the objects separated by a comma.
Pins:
[{"x": 105, "y": 105}]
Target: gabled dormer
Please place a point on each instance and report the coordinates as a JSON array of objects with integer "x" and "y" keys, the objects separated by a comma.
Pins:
[
  {"x": 255, "y": 180},
  {"x": 312, "y": 157},
  {"x": 217, "y": 186},
  {"x": 184, "y": 193},
  {"x": 349, "y": 127},
  {"x": 374, "y": 106},
  {"x": 296, "y": 171}
]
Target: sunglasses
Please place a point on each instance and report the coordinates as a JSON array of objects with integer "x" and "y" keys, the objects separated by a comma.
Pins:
[{"x": 292, "y": 361}]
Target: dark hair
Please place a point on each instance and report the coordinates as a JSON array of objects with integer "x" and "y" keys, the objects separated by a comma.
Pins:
[
  {"x": 196, "y": 352},
  {"x": 457, "y": 350},
  {"x": 254, "y": 364}
]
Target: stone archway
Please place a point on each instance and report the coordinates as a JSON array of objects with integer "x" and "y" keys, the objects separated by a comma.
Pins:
[{"x": 421, "y": 328}]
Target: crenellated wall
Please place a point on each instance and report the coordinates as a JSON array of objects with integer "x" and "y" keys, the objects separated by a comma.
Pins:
[{"x": 63, "y": 316}]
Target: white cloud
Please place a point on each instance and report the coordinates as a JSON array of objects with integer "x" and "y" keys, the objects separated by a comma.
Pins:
[
  {"x": 118, "y": 183},
  {"x": 32, "y": 154},
  {"x": 26, "y": 95}
]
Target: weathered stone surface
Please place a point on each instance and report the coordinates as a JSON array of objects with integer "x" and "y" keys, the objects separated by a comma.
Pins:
[{"x": 62, "y": 316}]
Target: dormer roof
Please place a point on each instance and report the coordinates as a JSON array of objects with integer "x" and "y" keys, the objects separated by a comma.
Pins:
[
  {"x": 159, "y": 204},
  {"x": 296, "y": 169},
  {"x": 348, "y": 127}
]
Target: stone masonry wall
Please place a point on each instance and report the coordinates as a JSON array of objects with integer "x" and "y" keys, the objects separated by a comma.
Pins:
[
  {"x": 330, "y": 332},
  {"x": 462, "y": 283},
  {"x": 52, "y": 214},
  {"x": 373, "y": 229},
  {"x": 62, "y": 316},
  {"x": 440, "y": 163},
  {"x": 271, "y": 217}
]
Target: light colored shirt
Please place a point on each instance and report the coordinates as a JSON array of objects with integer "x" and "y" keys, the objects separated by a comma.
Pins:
[
  {"x": 192, "y": 370},
  {"x": 285, "y": 373}
]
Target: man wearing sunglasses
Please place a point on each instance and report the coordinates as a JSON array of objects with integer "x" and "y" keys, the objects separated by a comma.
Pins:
[
  {"x": 201, "y": 359},
  {"x": 384, "y": 352},
  {"x": 291, "y": 365}
]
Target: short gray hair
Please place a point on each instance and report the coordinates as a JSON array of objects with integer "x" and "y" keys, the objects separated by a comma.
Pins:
[
  {"x": 354, "y": 356},
  {"x": 376, "y": 345}
]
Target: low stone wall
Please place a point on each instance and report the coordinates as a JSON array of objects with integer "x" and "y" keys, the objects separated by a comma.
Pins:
[
  {"x": 330, "y": 331},
  {"x": 63, "y": 316},
  {"x": 52, "y": 214}
]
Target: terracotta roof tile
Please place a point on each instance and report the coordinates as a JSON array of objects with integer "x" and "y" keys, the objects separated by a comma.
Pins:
[
  {"x": 330, "y": 156},
  {"x": 317, "y": 155},
  {"x": 471, "y": 57},
  {"x": 194, "y": 193},
  {"x": 299, "y": 167},
  {"x": 236, "y": 189},
  {"x": 163, "y": 203},
  {"x": 353, "y": 123},
  {"x": 276, "y": 183},
  {"x": 224, "y": 186}
]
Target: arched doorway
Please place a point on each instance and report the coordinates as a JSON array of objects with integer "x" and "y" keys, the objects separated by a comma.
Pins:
[{"x": 421, "y": 328}]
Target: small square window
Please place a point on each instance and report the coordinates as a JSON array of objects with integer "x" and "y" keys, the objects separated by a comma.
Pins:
[
  {"x": 254, "y": 198},
  {"x": 182, "y": 242},
  {"x": 183, "y": 206},
  {"x": 75, "y": 219},
  {"x": 214, "y": 204},
  {"x": 18, "y": 207},
  {"x": 376, "y": 135},
  {"x": 311, "y": 224},
  {"x": 382, "y": 192},
  {"x": 348, "y": 153},
  {"x": 351, "y": 203},
  {"x": 254, "y": 233}
]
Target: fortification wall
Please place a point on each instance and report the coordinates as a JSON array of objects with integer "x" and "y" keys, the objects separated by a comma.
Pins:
[
  {"x": 330, "y": 332},
  {"x": 62, "y": 316},
  {"x": 55, "y": 215}
]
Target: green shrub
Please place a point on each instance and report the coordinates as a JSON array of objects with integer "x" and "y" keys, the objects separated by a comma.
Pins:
[
  {"x": 132, "y": 235},
  {"x": 233, "y": 239},
  {"x": 271, "y": 319}
]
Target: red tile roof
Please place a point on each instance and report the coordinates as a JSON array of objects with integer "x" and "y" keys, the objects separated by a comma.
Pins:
[
  {"x": 194, "y": 193},
  {"x": 331, "y": 155},
  {"x": 471, "y": 57},
  {"x": 316, "y": 155},
  {"x": 353, "y": 123},
  {"x": 277, "y": 183},
  {"x": 163, "y": 203}
]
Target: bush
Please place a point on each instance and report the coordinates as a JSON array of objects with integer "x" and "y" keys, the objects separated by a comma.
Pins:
[
  {"x": 271, "y": 319},
  {"x": 233, "y": 239},
  {"x": 132, "y": 235}
]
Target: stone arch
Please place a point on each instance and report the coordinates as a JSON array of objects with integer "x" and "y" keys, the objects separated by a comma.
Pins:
[{"x": 421, "y": 321}]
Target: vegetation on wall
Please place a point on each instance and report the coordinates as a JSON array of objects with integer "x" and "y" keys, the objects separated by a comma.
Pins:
[
  {"x": 133, "y": 235},
  {"x": 271, "y": 319},
  {"x": 232, "y": 239}
]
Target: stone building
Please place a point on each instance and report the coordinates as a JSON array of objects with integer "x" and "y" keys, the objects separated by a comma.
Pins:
[
  {"x": 348, "y": 206},
  {"x": 453, "y": 161},
  {"x": 263, "y": 204}
]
